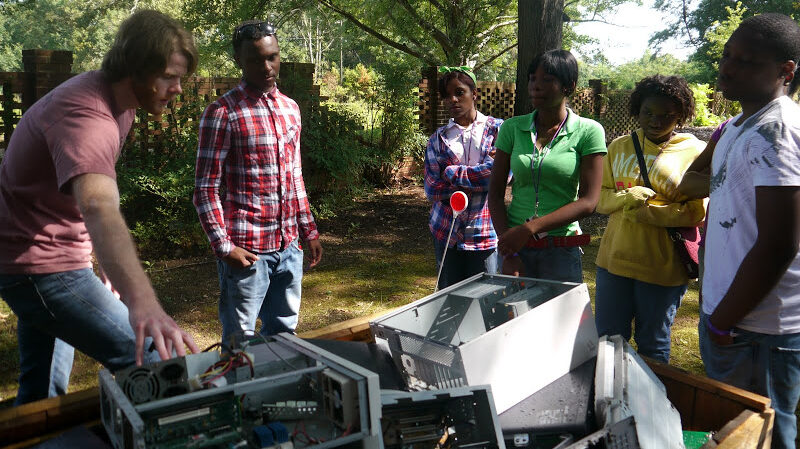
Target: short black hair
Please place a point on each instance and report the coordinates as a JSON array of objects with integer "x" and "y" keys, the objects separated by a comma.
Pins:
[
  {"x": 559, "y": 63},
  {"x": 256, "y": 34},
  {"x": 780, "y": 35},
  {"x": 672, "y": 87},
  {"x": 455, "y": 74}
]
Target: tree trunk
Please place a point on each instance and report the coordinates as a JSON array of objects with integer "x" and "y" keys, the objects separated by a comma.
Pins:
[{"x": 540, "y": 29}]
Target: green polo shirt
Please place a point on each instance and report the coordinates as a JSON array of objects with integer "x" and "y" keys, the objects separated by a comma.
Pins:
[{"x": 560, "y": 168}]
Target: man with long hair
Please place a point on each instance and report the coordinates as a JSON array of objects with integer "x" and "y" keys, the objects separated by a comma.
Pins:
[{"x": 59, "y": 201}]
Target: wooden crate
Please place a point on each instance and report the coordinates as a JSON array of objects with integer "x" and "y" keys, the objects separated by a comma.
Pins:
[{"x": 706, "y": 404}]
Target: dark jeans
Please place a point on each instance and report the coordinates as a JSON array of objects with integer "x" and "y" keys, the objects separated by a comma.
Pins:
[
  {"x": 762, "y": 363},
  {"x": 556, "y": 264},
  {"x": 459, "y": 265},
  {"x": 619, "y": 300}
]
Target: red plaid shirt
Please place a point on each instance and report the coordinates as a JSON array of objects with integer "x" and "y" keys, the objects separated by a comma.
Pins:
[{"x": 250, "y": 141}]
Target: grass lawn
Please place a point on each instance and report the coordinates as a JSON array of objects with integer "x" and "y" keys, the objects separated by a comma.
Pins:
[{"x": 378, "y": 255}]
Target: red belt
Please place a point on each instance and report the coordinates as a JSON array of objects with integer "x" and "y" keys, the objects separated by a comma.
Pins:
[{"x": 555, "y": 242}]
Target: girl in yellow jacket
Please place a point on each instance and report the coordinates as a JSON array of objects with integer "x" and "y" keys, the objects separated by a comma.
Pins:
[{"x": 639, "y": 274}]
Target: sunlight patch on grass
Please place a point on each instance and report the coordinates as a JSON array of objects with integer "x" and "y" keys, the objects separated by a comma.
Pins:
[
  {"x": 685, "y": 352},
  {"x": 9, "y": 356},
  {"x": 366, "y": 286}
]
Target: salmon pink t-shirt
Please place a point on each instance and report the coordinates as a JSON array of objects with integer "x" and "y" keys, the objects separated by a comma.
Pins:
[{"x": 73, "y": 130}]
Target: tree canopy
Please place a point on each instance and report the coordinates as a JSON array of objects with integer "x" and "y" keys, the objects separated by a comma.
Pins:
[
  {"x": 341, "y": 34},
  {"x": 481, "y": 33},
  {"x": 708, "y": 26},
  {"x": 625, "y": 76},
  {"x": 86, "y": 27},
  {"x": 437, "y": 32}
]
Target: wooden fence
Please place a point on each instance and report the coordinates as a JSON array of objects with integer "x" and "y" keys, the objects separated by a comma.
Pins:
[
  {"x": 494, "y": 98},
  {"x": 46, "y": 69},
  {"x": 43, "y": 70},
  {"x": 609, "y": 107}
]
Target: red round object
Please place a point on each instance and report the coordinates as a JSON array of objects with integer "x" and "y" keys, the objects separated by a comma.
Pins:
[{"x": 459, "y": 202}]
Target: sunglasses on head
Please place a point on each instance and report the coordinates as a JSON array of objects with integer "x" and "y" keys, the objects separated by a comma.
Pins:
[{"x": 250, "y": 30}]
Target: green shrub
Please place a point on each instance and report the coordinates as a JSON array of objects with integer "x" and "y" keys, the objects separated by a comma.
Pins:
[
  {"x": 331, "y": 140},
  {"x": 330, "y": 204},
  {"x": 702, "y": 98},
  {"x": 366, "y": 138},
  {"x": 156, "y": 186},
  {"x": 398, "y": 135}
]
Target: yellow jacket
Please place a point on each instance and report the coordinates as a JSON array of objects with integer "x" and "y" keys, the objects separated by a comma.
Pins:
[{"x": 635, "y": 244}]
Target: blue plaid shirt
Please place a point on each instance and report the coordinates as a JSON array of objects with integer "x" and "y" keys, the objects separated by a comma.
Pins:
[{"x": 444, "y": 175}]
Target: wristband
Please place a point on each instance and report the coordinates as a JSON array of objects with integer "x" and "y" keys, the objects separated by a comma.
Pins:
[{"x": 714, "y": 330}]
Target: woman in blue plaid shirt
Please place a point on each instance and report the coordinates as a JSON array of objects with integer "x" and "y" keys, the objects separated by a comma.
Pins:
[{"x": 459, "y": 157}]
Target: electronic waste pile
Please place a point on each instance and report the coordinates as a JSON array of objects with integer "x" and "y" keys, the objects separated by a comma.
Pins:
[{"x": 491, "y": 362}]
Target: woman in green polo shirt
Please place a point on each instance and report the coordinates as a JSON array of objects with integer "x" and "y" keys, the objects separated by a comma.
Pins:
[{"x": 557, "y": 160}]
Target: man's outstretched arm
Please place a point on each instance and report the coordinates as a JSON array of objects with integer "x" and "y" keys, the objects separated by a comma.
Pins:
[{"x": 98, "y": 200}]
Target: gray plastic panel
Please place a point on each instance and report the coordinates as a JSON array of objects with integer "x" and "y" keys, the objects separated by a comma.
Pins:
[
  {"x": 467, "y": 335},
  {"x": 620, "y": 435},
  {"x": 625, "y": 386}
]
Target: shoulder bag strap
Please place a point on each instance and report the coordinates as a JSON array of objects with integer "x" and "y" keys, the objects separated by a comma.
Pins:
[
  {"x": 640, "y": 158},
  {"x": 673, "y": 233}
]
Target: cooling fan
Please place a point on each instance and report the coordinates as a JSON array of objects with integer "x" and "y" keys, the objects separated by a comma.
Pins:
[
  {"x": 156, "y": 381},
  {"x": 141, "y": 385},
  {"x": 339, "y": 399}
]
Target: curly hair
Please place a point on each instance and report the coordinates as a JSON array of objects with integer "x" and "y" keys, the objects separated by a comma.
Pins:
[
  {"x": 673, "y": 87},
  {"x": 780, "y": 35}
]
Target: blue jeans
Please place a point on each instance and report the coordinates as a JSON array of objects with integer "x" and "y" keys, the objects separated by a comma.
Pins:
[
  {"x": 557, "y": 264},
  {"x": 268, "y": 289},
  {"x": 459, "y": 265},
  {"x": 59, "y": 311},
  {"x": 762, "y": 363},
  {"x": 620, "y": 300}
]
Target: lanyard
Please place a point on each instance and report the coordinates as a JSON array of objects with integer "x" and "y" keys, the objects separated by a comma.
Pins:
[
  {"x": 536, "y": 173},
  {"x": 467, "y": 146}
]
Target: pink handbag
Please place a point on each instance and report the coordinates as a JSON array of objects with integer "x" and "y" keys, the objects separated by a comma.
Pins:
[{"x": 686, "y": 240}]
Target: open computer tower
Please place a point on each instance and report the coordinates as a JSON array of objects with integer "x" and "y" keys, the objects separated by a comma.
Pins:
[
  {"x": 281, "y": 392},
  {"x": 513, "y": 333}
]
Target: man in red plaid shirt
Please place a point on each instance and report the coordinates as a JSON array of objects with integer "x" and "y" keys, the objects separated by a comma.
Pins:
[{"x": 250, "y": 142}]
